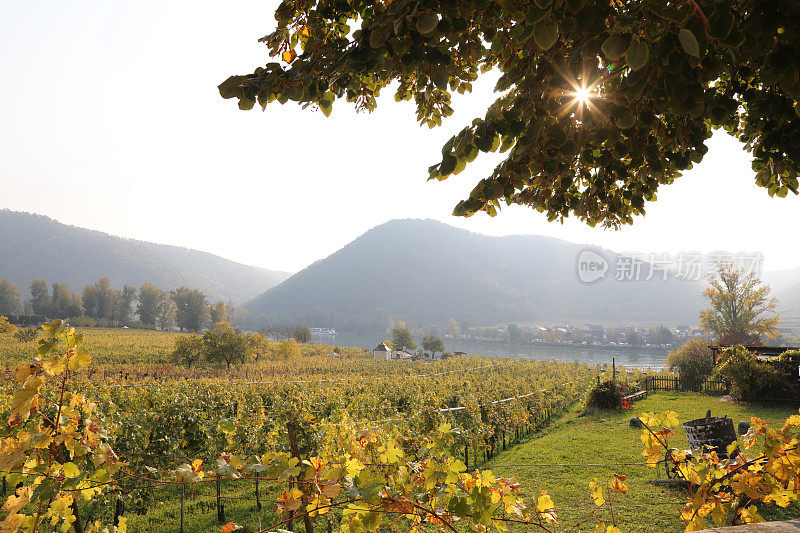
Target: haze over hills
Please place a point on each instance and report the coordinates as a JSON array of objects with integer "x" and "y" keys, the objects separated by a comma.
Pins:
[
  {"x": 423, "y": 271},
  {"x": 37, "y": 247},
  {"x": 430, "y": 272},
  {"x": 789, "y": 305}
]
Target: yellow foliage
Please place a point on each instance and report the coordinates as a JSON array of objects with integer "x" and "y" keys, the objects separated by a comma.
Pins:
[{"x": 6, "y": 327}]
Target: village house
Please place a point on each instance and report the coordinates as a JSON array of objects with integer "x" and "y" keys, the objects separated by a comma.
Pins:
[
  {"x": 598, "y": 331},
  {"x": 382, "y": 352}
]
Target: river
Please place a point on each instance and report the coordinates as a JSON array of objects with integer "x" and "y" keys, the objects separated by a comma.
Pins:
[{"x": 629, "y": 356}]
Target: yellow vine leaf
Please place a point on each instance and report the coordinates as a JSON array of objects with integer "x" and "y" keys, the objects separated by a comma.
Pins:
[
  {"x": 750, "y": 515},
  {"x": 390, "y": 453},
  {"x": 26, "y": 397},
  {"x": 546, "y": 507},
  {"x": 597, "y": 493}
]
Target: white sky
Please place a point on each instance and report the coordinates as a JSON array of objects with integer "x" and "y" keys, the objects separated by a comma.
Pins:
[{"x": 110, "y": 119}]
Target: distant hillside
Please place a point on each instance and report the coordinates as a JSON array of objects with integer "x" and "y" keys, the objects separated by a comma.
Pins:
[
  {"x": 431, "y": 272},
  {"x": 35, "y": 246},
  {"x": 789, "y": 306},
  {"x": 785, "y": 285}
]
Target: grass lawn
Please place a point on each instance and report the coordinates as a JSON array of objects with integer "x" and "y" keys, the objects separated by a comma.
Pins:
[{"x": 605, "y": 437}]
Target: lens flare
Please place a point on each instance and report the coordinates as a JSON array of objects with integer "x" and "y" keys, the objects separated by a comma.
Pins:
[{"x": 583, "y": 95}]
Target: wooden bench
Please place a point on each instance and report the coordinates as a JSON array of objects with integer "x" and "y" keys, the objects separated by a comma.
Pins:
[{"x": 635, "y": 396}]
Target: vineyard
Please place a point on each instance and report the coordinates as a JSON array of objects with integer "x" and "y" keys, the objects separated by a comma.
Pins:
[
  {"x": 159, "y": 416},
  {"x": 164, "y": 424},
  {"x": 325, "y": 441},
  {"x": 137, "y": 351}
]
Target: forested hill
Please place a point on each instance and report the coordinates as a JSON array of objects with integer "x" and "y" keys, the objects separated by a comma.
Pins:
[
  {"x": 38, "y": 247},
  {"x": 431, "y": 272}
]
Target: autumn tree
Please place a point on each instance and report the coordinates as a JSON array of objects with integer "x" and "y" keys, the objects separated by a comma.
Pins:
[
  {"x": 634, "y": 338},
  {"x": 122, "y": 305},
  {"x": 741, "y": 307},
  {"x": 302, "y": 334},
  {"x": 452, "y": 328},
  {"x": 98, "y": 300},
  {"x": 40, "y": 297},
  {"x": 402, "y": 339},
  {"x": 165, "y": 320},
  {"x": 600, "y": 103},
  {"x": 259, "y": 346},
  {"x": 219, "y": 313},
  {"x": 288, "y": 349},
  {"x": 63, "y": 303},
  {"x": 190, "y": 308},
  {"x": 225, "y": 344},
  {"x": 9, "y": 298},
  {"x": 188, "y": 349},
  {"x": 149, "y": 299},
  {"x": 433, "y": 345},
  {"x": 514, "y": 333}
]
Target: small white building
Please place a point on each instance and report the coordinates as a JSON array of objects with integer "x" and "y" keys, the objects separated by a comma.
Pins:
[
  {"x": 382, "y": 352},
  {"x": 402, "y": 354}
]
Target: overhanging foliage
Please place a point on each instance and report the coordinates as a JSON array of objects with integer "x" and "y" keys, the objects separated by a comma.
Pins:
[{"x": 600, "y": 102}]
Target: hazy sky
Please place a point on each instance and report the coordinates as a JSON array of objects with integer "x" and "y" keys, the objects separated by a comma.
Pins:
[{"x": 110, "y": 119}]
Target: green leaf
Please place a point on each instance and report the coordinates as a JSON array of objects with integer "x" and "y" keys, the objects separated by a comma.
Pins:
[
  {"x": 638, "y": 55},
  {"x": 689, "y": 42},
  {"x": 70, "y": 470},
  {"x": 615, "y": 47},
  {"x": 625, "y": 120},
  {"x": 427, "y": 23},
  {"x": 535, "y": 14},
  {"x": 458, "y": 506},
  {"x": 448, "y": 164},
  {"x": 230, "y": 88},
  {"x": 378, "y": 36},
  {"x": 545, "y": 35},
  {"x": 325, "y": 107}
]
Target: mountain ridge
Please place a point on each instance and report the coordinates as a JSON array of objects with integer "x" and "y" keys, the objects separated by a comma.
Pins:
[
  {"x": 464, "y": 275},
  {"x": 34, "y": 246}
]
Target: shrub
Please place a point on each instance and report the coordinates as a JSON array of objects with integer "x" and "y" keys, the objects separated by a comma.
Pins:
[
  {"x": 754, "y": 380},
  {"x": 694, "y": 361},
  {"x": 288, "y": 350},
  {"x": 608, "y": 394}
]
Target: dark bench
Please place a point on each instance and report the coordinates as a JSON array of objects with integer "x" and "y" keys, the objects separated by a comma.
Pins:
[{"x": 635, "y": 396}]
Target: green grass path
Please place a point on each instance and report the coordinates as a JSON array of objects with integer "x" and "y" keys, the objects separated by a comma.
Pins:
[{"x": 605, "y": 437}]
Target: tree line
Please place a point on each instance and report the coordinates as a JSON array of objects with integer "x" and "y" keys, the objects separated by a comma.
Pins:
[{"x": 99, "y": 304}]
